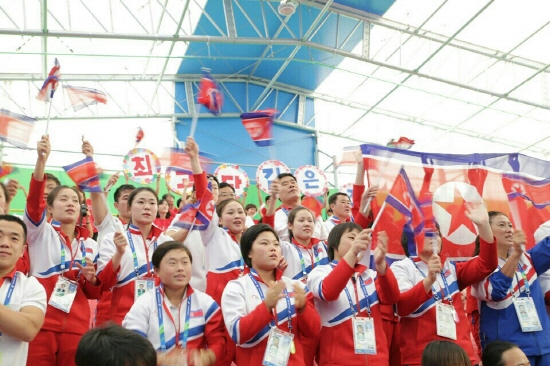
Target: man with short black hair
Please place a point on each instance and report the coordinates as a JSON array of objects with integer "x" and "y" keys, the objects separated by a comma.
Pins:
[
  {"x": 114, "y": 345},
  {"x": 24, "y": 304},
  {"x": 340, "y": 204},
  {"x": 286, "y": 188},
  {"x": 226, "y": 192}
]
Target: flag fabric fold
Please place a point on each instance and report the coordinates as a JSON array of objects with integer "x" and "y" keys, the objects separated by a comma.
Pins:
[
  {"x": 445, "y": 184},
  {"x": 6, "y": 169},
  {"x": 16, "y": 128},
  {"x": 210, "y": 95},
  {"x": 82, "y": 97},
  {"x": 50, "y": 84},
  {"x": 84, "y": 173},
  {"x": 199, "y": 214},
  {"x": 259, "y": 126}
]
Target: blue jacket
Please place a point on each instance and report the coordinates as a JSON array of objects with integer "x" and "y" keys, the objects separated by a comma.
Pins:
[{"x": 498, "y": 318}]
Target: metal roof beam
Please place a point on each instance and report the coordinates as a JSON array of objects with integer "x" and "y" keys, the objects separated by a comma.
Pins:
[{"x": 425, "y": 34}]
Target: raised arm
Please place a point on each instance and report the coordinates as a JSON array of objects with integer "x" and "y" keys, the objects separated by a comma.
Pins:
[
  {"x": 35, "y": 202},
  {"x": 478, "y": 268},
  {"x": 99, "y": 203}
]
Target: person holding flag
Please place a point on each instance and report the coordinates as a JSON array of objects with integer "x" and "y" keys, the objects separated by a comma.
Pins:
[
  {"x": 222, "y": 244},
  {"x": 61, "y": 255},
  {"x": 430, "y": 304},
  {"x": 511, "y": 306}
]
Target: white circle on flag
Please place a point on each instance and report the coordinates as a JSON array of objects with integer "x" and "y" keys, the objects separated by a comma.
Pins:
[
  {"x": 311, "y": 180},
  {"x": 234, "y": 175},
  {"x": 267, "y": 172},
  {"x": 177, "y": 181},
  {"x": 445, "y": 193}
]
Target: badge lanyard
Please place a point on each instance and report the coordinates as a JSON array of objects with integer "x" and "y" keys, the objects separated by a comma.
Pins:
[
  {"x": 435, "y": 294},
  {"x": 525, "y": 281},
  {"x": 10, "y": 292},
  {"x": 160, "y": 305},
  {"x": 287, "y": 298},
  {"x": 63, "y": 256},
  {"x": 302, "y": 261},
  {"x": 365, "y": 293},
  {"x": 134, "y": 253}
]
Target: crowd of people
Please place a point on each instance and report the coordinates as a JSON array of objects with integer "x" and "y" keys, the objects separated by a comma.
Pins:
[{"x": 136, "y": 287}]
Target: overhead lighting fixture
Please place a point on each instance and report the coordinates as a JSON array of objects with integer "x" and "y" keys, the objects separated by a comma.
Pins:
[{"x": 287, "y": 7}]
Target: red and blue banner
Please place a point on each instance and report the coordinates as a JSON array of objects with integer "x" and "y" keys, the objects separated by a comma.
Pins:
[{"x": 514, "y": 184}]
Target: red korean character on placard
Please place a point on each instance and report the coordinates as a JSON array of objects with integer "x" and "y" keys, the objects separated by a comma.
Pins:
[
  {"x": 235, "y": 180},
  {"x": 141, "y": 170},
  {"x": 187, "y": 180}
]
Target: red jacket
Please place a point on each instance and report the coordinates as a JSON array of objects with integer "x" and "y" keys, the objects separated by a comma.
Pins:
[{"x": 42, "y": 256}]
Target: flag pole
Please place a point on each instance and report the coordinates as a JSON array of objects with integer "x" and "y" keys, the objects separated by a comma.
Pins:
[
  {"x": 48, "y": 118},
  {"x": 367, "y": 206},
  {"x": 194, "y": 121}
]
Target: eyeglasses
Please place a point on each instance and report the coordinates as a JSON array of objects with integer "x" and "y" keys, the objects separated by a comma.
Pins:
[{"x": 227, "y": 195}]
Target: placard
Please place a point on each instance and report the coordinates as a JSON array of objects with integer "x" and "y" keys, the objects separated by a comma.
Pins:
[
  {"x": 234, "y": 175},
  {"x": 141, "y": 166},
  {"x": 176, "y": 180},
  {"x": 311, "y": 180},
  {"x": 267, "y": 172}
]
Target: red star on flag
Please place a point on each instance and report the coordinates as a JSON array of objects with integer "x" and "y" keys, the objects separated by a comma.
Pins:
[{"x": 457, "y": 210}]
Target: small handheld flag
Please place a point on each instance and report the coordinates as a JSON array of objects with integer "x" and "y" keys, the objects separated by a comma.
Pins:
[
  {"x": 6, "y": 169},
  {"x": 210, "y": 95},
  {"x": 15, "y": 128},
  {"x": 50, "y": 84},
  {"x": 403, "y": 143},
  {"x": 82, "y": 97},
  {"x": 259, "y": 126},
  {"x": 84, "y": 173},
  {"x": 139, "y": 136}
]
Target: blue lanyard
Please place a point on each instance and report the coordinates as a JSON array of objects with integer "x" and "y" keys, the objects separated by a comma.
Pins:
[
  {"x": 63, "y": 256},
  {"x": 436, "y": 295},
  {"x": 302, "y": 261},
  {"x": 365, "y": 293},
  {"x": 160, "y": 305},
  {"x": 525, "y": 281},
  {"x": 134, "y": 254},
  {"x": 10, "y": 292},
  {"x": 287, "y": 298}
]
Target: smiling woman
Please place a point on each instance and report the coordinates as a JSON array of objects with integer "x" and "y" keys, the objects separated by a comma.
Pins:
[
  {"x": 125, "y": 257},
  {"x": 62, "y": 255}
]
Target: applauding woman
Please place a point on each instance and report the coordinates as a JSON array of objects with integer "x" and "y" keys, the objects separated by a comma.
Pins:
[
  {"x": 266, "y": 314},
  {"x": 430, "y": 305},
  {"x": 348, "y": 297},
  {"x": 512, "y": 302}
]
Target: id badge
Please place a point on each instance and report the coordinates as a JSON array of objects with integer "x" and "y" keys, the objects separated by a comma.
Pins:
[
  {"x": 445, "y": 321},
  {"x": 364, "y": 338},
  {"x": 142, "y": 286},
  {"x": 182, "y": 359},
  {"x": 278, "y": 348},
  {"x": 63, "y": 294},
  {"x": 527, "y": 314}
]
